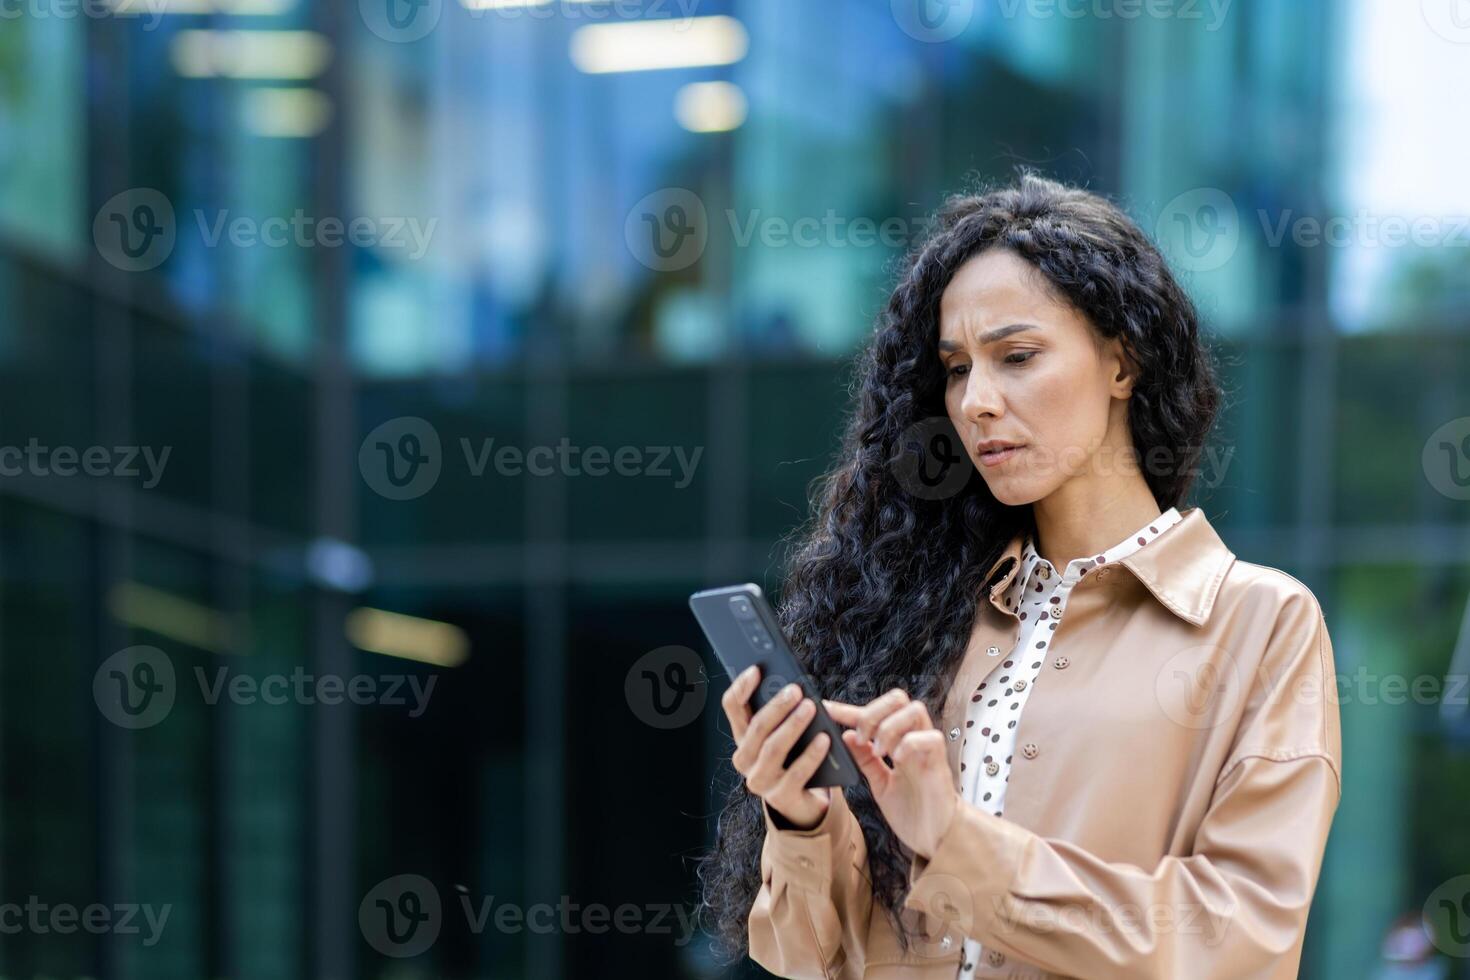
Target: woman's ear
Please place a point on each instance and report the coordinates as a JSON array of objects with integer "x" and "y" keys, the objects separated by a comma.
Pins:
[{"x": 1125, "y": 370}]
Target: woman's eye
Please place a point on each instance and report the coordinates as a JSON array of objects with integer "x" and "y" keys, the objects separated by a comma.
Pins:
[
  {"x": 1024, "y": 355},
  {"x": 954, "y": 372}
]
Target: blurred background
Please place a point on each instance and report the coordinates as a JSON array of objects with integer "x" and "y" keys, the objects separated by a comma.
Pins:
[{"x": 378, "y": 379}]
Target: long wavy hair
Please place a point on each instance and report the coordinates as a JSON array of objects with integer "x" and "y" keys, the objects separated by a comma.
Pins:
[{"x": 883, "y": 583}]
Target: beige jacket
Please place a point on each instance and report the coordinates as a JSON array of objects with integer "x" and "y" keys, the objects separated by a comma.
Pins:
[{"x": 1177, "y": 770}]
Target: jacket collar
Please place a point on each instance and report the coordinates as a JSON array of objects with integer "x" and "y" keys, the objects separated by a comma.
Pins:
[{"x": 1183, "y": 567}]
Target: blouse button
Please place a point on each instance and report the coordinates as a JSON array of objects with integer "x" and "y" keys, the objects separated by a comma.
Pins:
[
  {"x": 1060, "y": 663},
  {"x": 995, "y": 957},
  {"x": 954, "y": 733},
  {"x": 945, "y": 943},
  {"x": 1029, "y": 750},
  {"x": 993, "y": 651},
  {"x": 805, "y": 862},
  {"x": 992, "y": 768},
  {"x": 1020, "y": 685}
]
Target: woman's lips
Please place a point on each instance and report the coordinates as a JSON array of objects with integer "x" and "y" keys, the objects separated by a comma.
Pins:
[{"x": 999, "y": 456}]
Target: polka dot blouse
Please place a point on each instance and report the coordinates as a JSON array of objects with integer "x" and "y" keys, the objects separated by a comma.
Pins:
[{"x": 1038, "y": 597}]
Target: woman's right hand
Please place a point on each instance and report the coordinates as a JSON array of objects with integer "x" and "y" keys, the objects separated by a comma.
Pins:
[{"x": 764, "y": 739}]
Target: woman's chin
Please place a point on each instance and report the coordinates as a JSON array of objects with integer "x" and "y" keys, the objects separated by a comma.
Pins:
[{"x": 1012, "y": 493}]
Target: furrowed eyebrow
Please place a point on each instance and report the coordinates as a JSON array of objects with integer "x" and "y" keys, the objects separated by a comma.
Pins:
[{"x": 990, "y": 337}]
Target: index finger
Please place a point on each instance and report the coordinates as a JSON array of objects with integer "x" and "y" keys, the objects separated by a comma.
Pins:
[
  {"x": 866, "y": 718},
  {"x": 842, "y": 712}
]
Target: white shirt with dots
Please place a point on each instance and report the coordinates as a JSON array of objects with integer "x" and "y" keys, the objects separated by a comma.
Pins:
[{"x": 1038, "y": 595}]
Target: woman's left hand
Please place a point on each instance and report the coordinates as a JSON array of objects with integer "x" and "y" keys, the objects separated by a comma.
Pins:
[{"x": 916, "y": 793}]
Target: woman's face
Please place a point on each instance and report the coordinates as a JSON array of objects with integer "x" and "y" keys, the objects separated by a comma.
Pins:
[{"x": 1025, "y": 369}]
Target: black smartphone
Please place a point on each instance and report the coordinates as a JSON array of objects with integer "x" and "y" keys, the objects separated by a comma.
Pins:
[{"x": 742, "y": 629}]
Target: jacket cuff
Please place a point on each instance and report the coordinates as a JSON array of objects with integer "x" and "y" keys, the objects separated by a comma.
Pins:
[
  {"x": 806, "y": 856},
  {"x": 969, "y": 876}
]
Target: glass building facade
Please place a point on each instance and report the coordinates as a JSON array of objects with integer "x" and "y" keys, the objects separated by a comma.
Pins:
[{"x": 245, "y": 244}]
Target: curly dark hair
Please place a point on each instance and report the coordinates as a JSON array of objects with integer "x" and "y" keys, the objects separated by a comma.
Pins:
[{"x": 884, "y": 583}]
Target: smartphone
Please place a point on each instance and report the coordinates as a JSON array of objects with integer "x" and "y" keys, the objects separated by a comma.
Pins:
[{"x": 742, "y": 629}]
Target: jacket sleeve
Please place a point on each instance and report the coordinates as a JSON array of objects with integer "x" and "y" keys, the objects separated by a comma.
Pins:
[
  {"x": 810, "y": 917},
  {"x": 1231, "y": 908}
]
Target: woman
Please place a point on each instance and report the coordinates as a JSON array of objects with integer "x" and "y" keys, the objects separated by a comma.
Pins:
[{"x": 1161, "y": 806}]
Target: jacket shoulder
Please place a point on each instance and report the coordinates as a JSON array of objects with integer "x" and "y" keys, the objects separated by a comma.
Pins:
[
  {"x": 1286, "y": 684},
  {"x": 1254, "y": 588}
]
